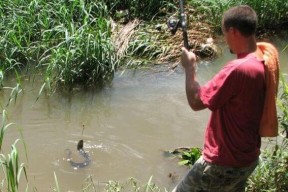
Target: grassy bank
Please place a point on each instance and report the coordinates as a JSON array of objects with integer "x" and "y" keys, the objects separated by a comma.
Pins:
[{"x": 72, "y": 43}]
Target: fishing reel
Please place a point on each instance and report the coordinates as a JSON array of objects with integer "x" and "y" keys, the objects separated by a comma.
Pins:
[{"x": 173, "y": 24}]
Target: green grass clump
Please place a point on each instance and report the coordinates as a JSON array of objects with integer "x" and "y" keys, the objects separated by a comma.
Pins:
[
  {"x": 82, "y": 52},
  {"x": 84, "y": 56},
  {"x": 69, "y": 40}
]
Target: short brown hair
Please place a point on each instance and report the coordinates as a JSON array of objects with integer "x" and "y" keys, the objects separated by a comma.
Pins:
[{"x": 241, "y": 17}]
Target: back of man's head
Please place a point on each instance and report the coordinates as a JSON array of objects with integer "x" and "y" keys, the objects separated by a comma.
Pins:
[{"x": 241, "y": 17}]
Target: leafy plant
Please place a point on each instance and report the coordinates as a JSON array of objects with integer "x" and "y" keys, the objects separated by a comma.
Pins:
[{"x": 187, "y": 155}]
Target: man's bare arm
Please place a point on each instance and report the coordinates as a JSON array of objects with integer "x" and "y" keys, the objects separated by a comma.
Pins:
[{"x": 188, "y": 61}]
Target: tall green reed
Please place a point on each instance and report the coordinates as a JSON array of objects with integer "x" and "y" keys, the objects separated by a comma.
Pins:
[
  {"x": 4, "y": 127},
  {"x": 69, "y": 40},
  {"x": 80, "y": 49},
  {"x": 82, "y": 57},
  {"x": 11, "y": 167}
]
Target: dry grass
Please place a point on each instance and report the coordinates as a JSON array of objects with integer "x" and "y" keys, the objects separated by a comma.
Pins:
[{"x": 122, "y": 37}]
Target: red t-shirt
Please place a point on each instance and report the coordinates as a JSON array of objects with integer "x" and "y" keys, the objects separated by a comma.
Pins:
[{"x": 236, "y": 98}]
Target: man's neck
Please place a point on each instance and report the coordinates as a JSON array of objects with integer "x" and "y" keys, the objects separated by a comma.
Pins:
[{"x": 247, "y": 45}]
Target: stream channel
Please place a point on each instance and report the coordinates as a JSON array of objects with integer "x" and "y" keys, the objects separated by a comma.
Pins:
[{"x": 125, "y": 127}]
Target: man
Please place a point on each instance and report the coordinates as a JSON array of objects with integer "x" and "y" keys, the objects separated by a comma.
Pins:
[{"x": 235, "y": 97}]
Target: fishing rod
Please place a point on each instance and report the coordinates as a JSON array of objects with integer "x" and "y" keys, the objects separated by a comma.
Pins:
[
  {"x": 183, "y": 24},
  {"x": 174, "y": 24}
]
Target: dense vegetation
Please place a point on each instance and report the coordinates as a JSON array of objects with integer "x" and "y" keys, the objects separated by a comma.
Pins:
[
  {"x": 72, "y": 42},
  {"x": 68, "y": 41}
]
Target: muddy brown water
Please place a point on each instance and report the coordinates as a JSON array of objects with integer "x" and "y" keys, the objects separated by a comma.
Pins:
[{"x": 125, "y": 127}]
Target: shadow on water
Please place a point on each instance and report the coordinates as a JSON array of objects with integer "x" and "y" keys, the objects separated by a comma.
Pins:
[{"x": 125, "y": 127}]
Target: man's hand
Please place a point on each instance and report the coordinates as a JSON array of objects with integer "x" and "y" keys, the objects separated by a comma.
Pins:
[{"x": 188, "y": 60}]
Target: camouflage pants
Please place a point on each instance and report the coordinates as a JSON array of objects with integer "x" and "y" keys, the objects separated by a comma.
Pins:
[{"x": 206, "y": 177}]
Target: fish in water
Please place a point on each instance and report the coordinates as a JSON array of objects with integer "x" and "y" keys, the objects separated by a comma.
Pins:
[
  {"x": 80, "y": 145},
  {"x": 81, "y": 151}
]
